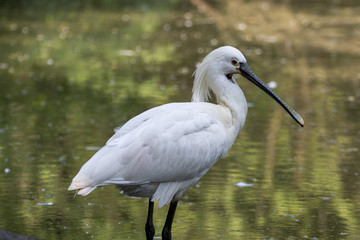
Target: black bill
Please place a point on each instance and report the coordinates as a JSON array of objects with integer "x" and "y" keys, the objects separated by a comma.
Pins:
[{"x": 246, "y": 72}]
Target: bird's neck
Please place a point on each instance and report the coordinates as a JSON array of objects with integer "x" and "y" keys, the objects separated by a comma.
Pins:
[
  {"x": 235, "y": 101},
  {"x": 226, "y": 91}
]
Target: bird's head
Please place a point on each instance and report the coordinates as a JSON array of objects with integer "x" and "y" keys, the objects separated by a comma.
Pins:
[
  {"x": 224, "y": 61},
  {"x": 220, "y": 65}
]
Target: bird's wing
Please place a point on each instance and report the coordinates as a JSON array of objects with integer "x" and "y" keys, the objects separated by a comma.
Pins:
[{"x": 173, "y": 142}]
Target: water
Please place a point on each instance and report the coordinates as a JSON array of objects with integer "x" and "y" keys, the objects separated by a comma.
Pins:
[{"x": 71, "y": 72}]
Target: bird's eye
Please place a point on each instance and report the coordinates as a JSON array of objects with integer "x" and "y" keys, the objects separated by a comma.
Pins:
[{"x": 234, "y": 62}]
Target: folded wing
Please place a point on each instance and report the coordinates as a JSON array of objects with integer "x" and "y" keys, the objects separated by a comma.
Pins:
[{"x": 171, "y": 143}]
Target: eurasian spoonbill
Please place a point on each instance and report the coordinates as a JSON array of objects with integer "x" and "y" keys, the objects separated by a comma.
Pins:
[{"x": 163, "y": 151}]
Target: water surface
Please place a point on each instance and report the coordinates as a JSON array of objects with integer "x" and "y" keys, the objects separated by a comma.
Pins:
[{"x": 70, "y": 72}]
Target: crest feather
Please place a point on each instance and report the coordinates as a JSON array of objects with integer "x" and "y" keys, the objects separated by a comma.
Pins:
[{"x": 201, "y": 91}]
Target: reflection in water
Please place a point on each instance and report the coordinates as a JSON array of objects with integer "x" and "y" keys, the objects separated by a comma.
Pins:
[{"x": 71, "y": 73}]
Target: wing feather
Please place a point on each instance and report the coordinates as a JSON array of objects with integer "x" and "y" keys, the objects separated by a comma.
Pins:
[{"x": 173, "y": 142}]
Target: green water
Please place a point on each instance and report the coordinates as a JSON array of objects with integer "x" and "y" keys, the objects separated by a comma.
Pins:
[{"x": 72, "y": 71}]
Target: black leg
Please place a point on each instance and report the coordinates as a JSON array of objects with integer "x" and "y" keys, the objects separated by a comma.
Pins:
[
  {"x": 166, "y": 232},
  {"x": 149, "y": 226}
]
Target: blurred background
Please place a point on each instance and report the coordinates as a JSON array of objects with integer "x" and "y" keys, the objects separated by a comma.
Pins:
[{"x": 73, "y": 70}]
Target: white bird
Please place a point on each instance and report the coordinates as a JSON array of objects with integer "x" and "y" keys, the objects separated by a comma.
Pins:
[{"x": 163, "y": 151}]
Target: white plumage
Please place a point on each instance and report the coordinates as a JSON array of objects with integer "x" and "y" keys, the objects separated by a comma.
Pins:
[
  {"x": 167, "y": 147},
  {"x": 162, "y": 152},
  {"x": 165, "y": 150}
]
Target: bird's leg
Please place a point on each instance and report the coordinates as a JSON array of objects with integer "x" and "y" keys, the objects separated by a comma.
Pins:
[
  {"x": 166, "y": 232},
  {"x": 149, "y": 226}
]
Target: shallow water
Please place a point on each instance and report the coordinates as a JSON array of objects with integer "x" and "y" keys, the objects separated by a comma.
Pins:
[{"x": 70, "y": 72}]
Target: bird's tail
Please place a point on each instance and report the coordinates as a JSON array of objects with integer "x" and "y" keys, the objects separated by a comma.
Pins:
[
  {"x": 82, "y": 191},
  {"x": 80, "y": 184}
]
